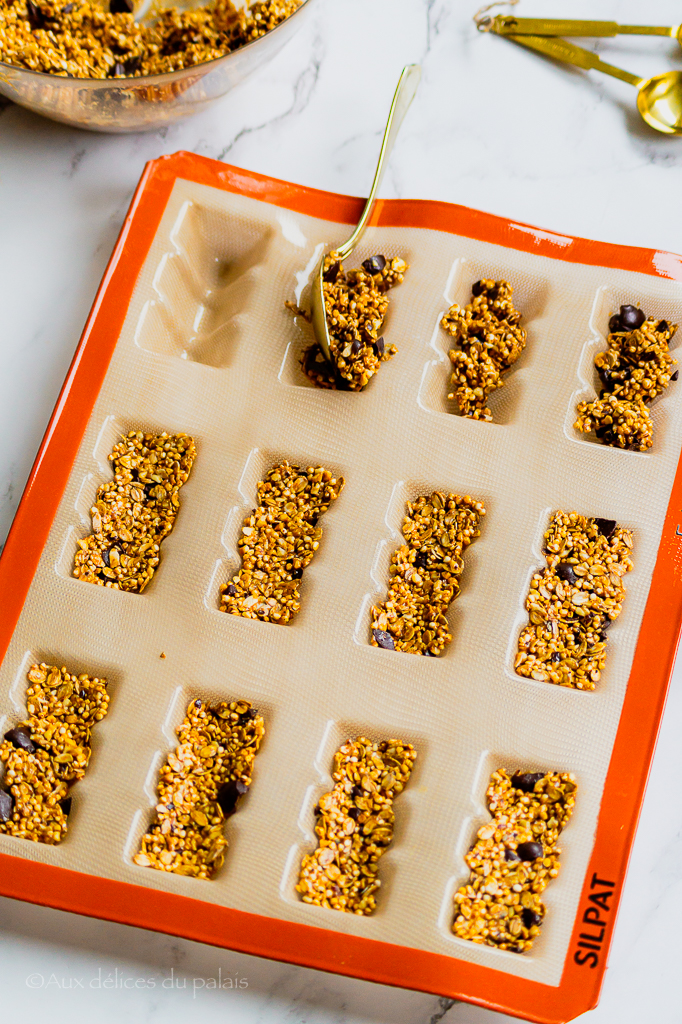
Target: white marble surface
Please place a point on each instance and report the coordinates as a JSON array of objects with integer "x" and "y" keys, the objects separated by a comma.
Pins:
[{"x": 492, "y": 127}]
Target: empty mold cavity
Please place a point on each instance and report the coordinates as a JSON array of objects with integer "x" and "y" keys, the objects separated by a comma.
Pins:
[
  {"x": 554, "y": 896},
  {"x": 529, "y": 297},
  {"x": 299, "y": 333},
  {"x": 145, "y": 816},
  {"x": 113, "y": 429},
  {"x": 537, "y": 563},
  {"x": 335, "y": 735},
  {"x": 608, "y": 301},
  {"x": 203, "y": 285},
  {"x": 404, "y": 491},
  {"x": 258, "y": 464}
]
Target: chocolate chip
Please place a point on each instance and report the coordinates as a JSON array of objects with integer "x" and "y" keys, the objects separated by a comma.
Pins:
[
  {"x": 118, "y": 70},
  {"x": 556, "y": 657},
  {"x": 375, "y": 264},
  {"x": 83, "y": 694},
  {"x": 6, "y": 805},
  {"x": 105, "y": 557},
  {"x": 646, "y": 357},
  {"x": 565, "y": 572},
  {"x": 121, "y": 6},
  {"x": 631, "y": 317},
  {"x": 663, "y": 326},
  {"x": 525, "y": 781},
  {"x": 530, "y": 917},
  {"x": 421, "y": 559},
  {"x": 231, "y": 590},
  {"x": 493, "y": 293},
  {"x": 379, "y": 346},
  {"x": 357, "y": 791},
  {"x": 606, "y": 378},
  {"x": 197, "y": 703},
  {"x": 296, "y": 574},
  {"x": 354, "y": 813},
  {"x": 247, "y": 716},
  {"x": 66, "y": 805},
  {"x": 229, "y": 794},
  {"x": 332, "y": 272},
  {"x": 430, "y": 654},
  {"x": 384, "y": 639},
  {"x": 529, "y": 851},
  {"x": 606, "y": 527},
  {"x": 608, "y": 437},
  {"x": 36, "y": 18},
  {"x": 675, "y": 375},
  {"x": 21, "y": 738},
  {"x": 614, "y": 324},
  {"x": 511, "y": 855},
  {"x": 607, "y": 623},
  {"x": 356, "y": 346},
  {"x": 477, "y": 289}
]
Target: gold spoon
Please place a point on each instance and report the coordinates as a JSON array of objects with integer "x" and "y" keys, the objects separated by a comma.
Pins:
[
  {"x": 508, "y": 25},
  {"x": 404, "y": 94},
  {"x": 659, "y": 99}
]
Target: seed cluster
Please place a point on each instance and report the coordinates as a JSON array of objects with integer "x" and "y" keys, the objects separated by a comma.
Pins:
[
  {"x": 635, "y": 368},
  {"x": 200, "y": 786},
  {"x": 135, "y": 511},
  {"x": 48, "y": 751},
  {"x": 514, "y": 858},
  {"x": 573, "y": 601},
  {"x": 278, "y": 541},
  {"x": 424, "y": 574},
  {"x": 79, "y": 39},
  {"x": 355, "y": 825},
  {"x": 490, "y": 341},
  {"x": 356, "y": 302}
]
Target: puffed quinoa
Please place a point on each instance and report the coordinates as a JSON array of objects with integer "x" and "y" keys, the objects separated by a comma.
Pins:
[
  {"x": 199, "y": 787},
  {"x": 47, "y": 752},
  {"x": 135, "y": 511},
  {"x": 424, "y": 574},
  {"x": 355, "y": 825},
  {"x": 490, "y": 341},
  {"x": 80, "y": 39},
  {"x": 634, "y": 369},
  {"x": 277, "y": 542},
  {"x": 356, "y": 302},
  {"x": 514, "y": 858},
  {"x": 573, "y": 601}
]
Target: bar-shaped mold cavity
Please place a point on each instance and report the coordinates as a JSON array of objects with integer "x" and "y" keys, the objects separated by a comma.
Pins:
[
  {"x": 573, "y": 600},
  {"x": 354, "y": 825},
  {"x": 133, "y": 512},
  {"x": 424, "y": 573},
  {"x": 200, "y": 785},
  {"x": 278, "y": 540},
  {"x": 513, "y": 858},
  {"x": 48, "y": 751}
]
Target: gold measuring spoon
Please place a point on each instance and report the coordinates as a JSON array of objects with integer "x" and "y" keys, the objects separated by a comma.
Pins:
[
  {"x": 403, "y": 96},
  {"x": 659, "y": 99},
  {"x": 507, "y": 25}
]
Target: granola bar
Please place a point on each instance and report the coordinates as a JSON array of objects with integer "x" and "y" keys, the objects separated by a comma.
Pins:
[
  {"x": 135, "y": 511},
  {"x": 81, "y": 39},
  {"x": 356, "y": 302},
  {"x": 635, "y": 369},
  {"x": 199, "y": 787},
  {"x": 355, "y": 825},
  {"x": 278, "y": 541},
  {"x": 573, "y": 601},
  {"x": 514, "y": 858},
  {"x": 490, "y": 341},
  {"x": 47, "y": 752},
  {"x": 424, "y": 574}
]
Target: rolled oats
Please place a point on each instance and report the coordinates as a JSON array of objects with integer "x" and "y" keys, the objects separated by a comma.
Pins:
[
  {"x": 514, "y": 858},
  {"x": 48, "y": 751},
  {"x": 356, "y": 302},
  {"x": 424, "y": 574},
  {"x": 490, "y": 341},
  {"x": 199, "y": 787},
  {"x": 355, "y": 825},
  {"x": 573, "y": 601},
  {"x": 277, "y": 542},
  {"x": 135, "y": 511},
  {"x": 635, "y": 369}
]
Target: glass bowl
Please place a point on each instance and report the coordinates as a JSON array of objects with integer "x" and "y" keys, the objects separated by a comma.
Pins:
[{"x": 144, "y": 103}]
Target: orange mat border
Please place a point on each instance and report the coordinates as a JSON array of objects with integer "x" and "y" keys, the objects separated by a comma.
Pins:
[{"x": 643, "y": 706}]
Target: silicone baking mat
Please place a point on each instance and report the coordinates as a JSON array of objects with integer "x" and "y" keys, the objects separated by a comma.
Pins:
[{"x": 189, "y": 333}]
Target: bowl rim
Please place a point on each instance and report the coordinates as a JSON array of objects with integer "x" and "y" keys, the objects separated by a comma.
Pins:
[{"x": 163, "y": 77}]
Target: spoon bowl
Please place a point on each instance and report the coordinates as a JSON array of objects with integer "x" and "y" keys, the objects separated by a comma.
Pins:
[{"x": 659, "y": 101}]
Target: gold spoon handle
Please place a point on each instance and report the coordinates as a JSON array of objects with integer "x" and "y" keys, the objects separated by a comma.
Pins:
[
  {"x": 506, "y": 25},
  {"x": 403, "y": 96},
  {"x": 568, "y": 53}
]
